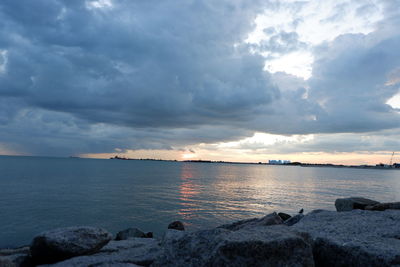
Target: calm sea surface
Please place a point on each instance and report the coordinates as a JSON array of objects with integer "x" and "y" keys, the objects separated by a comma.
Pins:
[{"x": 39, "y": 194}]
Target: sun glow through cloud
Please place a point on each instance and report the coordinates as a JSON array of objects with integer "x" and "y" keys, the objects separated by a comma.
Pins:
[
  {"x": 394, "y": 102},
  {"x": 261, "y": 140},
  {"x": 187, "y": 156},
  {"x": 394, "y": 80},
  {"x": 311, "y": 23},
  {"x": 99, "y": 4},
  {"x": 297, "y": 63}
]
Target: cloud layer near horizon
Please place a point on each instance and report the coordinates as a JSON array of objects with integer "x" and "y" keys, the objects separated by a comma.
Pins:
[{"x": 91, "y": 76}]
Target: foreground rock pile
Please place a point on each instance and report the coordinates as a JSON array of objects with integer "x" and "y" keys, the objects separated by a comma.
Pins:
[
  {"x": 61, "y": 244},
  {"x": 367, "y": 234}
]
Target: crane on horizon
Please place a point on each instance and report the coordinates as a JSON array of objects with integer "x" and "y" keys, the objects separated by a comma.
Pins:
[{"x": 391, "y": 159}]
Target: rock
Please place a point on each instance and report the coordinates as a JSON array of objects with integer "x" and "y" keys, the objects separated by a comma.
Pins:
[
  {"x": 149, "y": 235},
  {"x": 12, "y": 251},
  {"x": 171, "y": 235},
  {"x": 384, "y": 206},
  {"x": 135, "y": 251},
  {"x": 177, "y": 225},
  {"x": 129, "y": 233},
  {"x": 351, "y": 203},
  {"x": 295, "y": 219},
  {"x": 270, "y": 219},
  {"x": 19, "y": 257},
  {"x": 9, "y": 261},
  {"x": 117, "y": 264},
  {"x": 356, "y": 238},
  {"x": 257, "y": 246},
  {"x": 284, "y": 216},
  {"x": 64, "y": 243}
]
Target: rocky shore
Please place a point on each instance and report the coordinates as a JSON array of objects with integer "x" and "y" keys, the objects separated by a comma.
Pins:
[{"x": 362, "y": 232}]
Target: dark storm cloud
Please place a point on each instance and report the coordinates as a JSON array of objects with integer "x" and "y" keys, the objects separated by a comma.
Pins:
[
  {"x": 151, "y": 74},
  {"x": 135, "y": 64}
]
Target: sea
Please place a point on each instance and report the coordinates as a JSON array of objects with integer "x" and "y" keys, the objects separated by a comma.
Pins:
[{"x": 40, "y": 193}]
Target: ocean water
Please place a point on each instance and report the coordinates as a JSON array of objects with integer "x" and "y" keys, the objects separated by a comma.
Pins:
[{"x": 39, "y": 194}]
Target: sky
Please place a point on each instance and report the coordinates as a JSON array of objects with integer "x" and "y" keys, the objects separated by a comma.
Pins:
[{"x": 235, "y": 80}]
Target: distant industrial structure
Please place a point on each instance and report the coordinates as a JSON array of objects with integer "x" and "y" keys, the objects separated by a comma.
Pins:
[
  {"x": 278, "y": 162},
  {"x": 390, "y": 165}
]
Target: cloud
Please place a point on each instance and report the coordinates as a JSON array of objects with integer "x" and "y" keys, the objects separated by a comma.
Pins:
[
  {"x": 95, "y": 76},
  {"x": 348, "y": 90},
  {"x": 350, "y": 84},
  {"x": 165, "y": 65},
  {"x": 269, "y": 144}
]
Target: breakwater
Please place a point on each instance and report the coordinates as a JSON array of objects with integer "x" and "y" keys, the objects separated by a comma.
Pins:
[{"x": 361, "y": 232}]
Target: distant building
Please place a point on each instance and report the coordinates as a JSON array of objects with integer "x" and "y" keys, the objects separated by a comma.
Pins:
[{"x": 278, "y": 162}]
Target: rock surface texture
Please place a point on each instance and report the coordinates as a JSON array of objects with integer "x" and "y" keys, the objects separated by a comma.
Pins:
[
  {"x": 64, "y": 243},
  {"x": 172, "y": 235},
  {"x": 252, "y": 246},
  {"x": 130, "y": 233},
  {"x": 357, "y": 238},
  {"x": 270, "y": 219},
  {"x": 384, "y": 206},
  {"x": 351, "y": 203},
  {"x": 284, "y": 216},
  {"x": 139, "y": 251},
  {"x": 15, "y": 257},
  {"x": 293, "y": 220}
]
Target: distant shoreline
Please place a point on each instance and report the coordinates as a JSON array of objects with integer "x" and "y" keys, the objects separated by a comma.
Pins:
[
  {"x": 395, "y": 166},
  {"x": 326, "y": 165}
]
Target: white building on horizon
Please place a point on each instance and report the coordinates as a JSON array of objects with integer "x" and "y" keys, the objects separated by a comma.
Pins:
[{"x": 278, "y": 162}]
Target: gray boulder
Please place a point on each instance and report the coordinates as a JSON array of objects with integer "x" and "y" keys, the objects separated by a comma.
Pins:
[
  {"x": 384, "y": 206},
  {"x": 117, "y": 264},
  {"x": 171, "y": 235},
  {"x": 130, "y": 233},
  {"x": 15, "y": 257},
  {"x": 356, "y": 238},
  {"x": 60, "y": 244},
  {"x": 351, "y": 203},
  {"x": 177, "y": 225},
  {"x": 284, "y": 216},
  {"x": 257, "y": 246},
  {"x": 270, "y": 219},
  {"x": 10, "y": 261},
  {"x": 293, "y": 220},
  {"x": 139, "y": 251}
]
